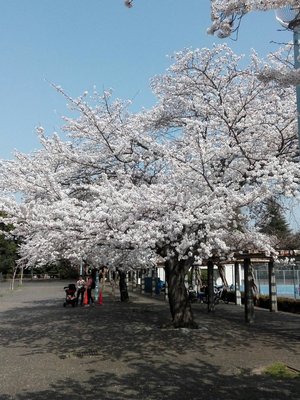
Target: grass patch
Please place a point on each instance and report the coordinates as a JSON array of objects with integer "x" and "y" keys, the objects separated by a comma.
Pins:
[{"x": 281, "y": 371}]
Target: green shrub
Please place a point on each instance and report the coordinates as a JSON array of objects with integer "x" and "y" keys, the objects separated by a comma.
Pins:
[
  {"x": 281, "y": 371},
  {"x": 230, "y": 295},
  {"x": 283, "y": 303}
]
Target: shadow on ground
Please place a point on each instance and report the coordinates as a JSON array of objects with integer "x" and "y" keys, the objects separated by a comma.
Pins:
[
  {"x": 121, "y": 352},
  {"x": 167, "y": 381}
]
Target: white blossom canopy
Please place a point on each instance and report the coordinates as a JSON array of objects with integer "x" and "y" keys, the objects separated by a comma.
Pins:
[{"x": 178, "y": 180}]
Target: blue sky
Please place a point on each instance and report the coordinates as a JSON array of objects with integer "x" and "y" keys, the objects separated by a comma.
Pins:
[{"x": 82, "y": 44}]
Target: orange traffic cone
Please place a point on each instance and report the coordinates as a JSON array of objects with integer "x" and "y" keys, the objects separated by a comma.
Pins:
[
  {"x": 100, "y": 299},
  {"x": 85, "y": 298}
]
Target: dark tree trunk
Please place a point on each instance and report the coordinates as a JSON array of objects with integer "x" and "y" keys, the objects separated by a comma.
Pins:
[
  {"x": 123, "y": 286},
  {"x": 179, "y": 302}
]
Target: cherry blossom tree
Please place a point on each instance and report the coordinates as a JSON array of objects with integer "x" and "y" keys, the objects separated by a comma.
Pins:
[
  {"x": 66, "y": 183},
  {"x": 226, "y": 15},
  {"x": 176, "y": 182},
  {"x": 237, "y": 144}
]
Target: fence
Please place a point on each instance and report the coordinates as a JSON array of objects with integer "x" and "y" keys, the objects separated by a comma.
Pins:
[
  {"x": 287, "y": 282},
  {"x": 49, "y": 275}
]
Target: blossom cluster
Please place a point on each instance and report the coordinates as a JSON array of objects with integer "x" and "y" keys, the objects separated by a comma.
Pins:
[{"x": 224, "y": 13}]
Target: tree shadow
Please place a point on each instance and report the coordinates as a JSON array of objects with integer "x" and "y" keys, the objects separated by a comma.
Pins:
[
  {"x": 155, "y": 363},
  {"x": 279, "y": 330},
  {"x": 166, "y": 381}
]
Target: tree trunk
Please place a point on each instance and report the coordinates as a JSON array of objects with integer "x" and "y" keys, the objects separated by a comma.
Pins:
[
  {"x": 179, "y": 302},
  {"x": 123, "y": 286},
  {"x": 12, "y": 284},
  {"x": 21, "y": 276}
]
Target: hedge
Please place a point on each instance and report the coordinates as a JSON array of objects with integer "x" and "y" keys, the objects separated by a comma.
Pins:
[{"x": 285, "y": 304}]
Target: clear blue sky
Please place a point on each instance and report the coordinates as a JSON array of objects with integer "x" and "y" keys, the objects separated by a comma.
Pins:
[{"x": 79, "y": 44}]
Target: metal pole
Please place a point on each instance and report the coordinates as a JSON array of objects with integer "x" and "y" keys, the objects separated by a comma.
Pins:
[
  {"x": 166, "y": 291},
  {"x": 237, "y": 288},
  {"x": 133, "y": 281},
  {"x": 298, "y": 282},
  {"x": 80, "y": 268},
  {"x": 97, "y": 288},
  {"x": 249, "y": 305},
  {"x": 143, "y": 282},
  {"x": 296, "y": 34},
  {"x": 154, "y": 279},
  {"x": 210, "y": 279},
  {"x": 272, "y": 287},
  {"x": 193, "y": 277},
  {"x": 294, "y": 282}
]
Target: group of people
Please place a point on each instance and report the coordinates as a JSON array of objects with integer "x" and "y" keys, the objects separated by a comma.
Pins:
[
  {"x": 86, "y": 286},
  {"x": 83, "y": 285}
]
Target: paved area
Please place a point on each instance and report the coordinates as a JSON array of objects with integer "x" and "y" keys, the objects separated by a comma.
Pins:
[{"x": 119, "y": 351}]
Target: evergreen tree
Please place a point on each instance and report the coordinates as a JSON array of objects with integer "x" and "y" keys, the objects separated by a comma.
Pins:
[
  {"x": 8, "y": 248},
  {"x": 273, "y": 223}
]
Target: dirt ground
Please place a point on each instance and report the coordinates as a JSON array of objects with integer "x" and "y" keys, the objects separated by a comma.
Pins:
[{"x": 119, "y": 351}]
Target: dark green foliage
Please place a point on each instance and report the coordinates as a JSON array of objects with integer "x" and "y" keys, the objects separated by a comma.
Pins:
[
  {"x": 8, "y": 248},
  {"x": 230, "y": 295},
  {"x": 272, "y": 221},
  {"x": 283, "y": 303},
  {"x": 62, "y": 270},
  {"x": 204, "y": 276}
]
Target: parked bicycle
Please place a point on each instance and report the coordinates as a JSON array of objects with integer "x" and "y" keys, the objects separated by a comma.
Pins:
[{"x": 221, "y": 294}]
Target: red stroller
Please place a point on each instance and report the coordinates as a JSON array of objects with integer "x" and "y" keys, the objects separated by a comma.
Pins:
[{"x": 70, "y": 295}]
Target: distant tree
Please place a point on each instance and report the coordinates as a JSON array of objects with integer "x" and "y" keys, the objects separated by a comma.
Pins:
[
  {"x": 62, "y": 268},
  {"x": 273, "y": 223},
  {"x": 8, "y": 248}
]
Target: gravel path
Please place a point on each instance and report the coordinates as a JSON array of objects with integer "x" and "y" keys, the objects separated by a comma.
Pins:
[{"x": 119, "y": 351}]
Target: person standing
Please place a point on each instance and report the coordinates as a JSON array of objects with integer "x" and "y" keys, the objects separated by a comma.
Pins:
[
  {"x": 90, "y": 284},
  {"x": 80, "y": 284}
]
